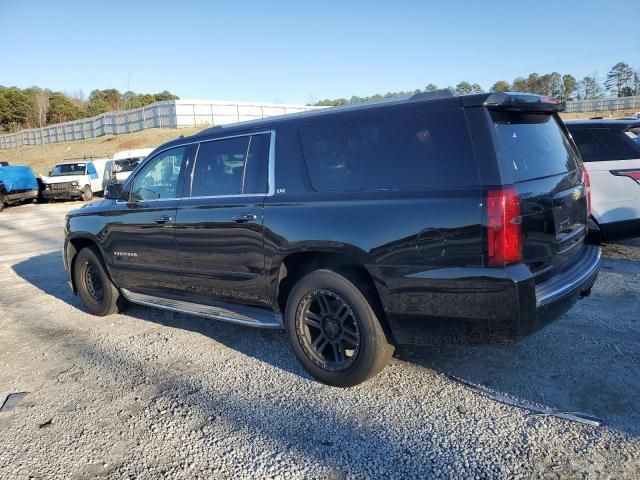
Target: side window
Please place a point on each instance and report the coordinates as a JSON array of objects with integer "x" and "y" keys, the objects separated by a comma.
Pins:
[
  {"x": 425, "y": 150},
  {"x": 232, "y": 166},
  {"x": 91, "y": 171},
  {"x": 159, "y": 178},
  {"x": 256, "y": 176}
]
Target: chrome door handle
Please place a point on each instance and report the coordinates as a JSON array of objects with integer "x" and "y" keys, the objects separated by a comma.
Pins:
[
  {"x": 245, "y": 217},
  {"x": 163, "y": 219}
]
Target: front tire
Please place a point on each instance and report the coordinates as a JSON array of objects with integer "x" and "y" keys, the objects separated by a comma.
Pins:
[
  {"x": 96, "y": 290},
  {"x": 334, "y": 330},
  {"x": 87, "y": 194}
]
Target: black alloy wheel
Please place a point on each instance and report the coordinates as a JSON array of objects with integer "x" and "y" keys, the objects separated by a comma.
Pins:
[
  {"x": 328, "y": 330},
  {"x": 333, "y": 322}
]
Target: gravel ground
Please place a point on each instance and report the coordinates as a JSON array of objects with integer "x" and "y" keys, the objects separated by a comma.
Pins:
[{"x": 153, "y": 394}]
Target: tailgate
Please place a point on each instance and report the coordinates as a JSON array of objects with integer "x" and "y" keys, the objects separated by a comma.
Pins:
[{"x": 537, "y": 158}]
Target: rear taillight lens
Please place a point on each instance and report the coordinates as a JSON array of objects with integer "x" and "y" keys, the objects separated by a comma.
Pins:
[
  {"x": 587, "y": 186},
  {"x": 504, "y": 227},
  {"x": 634, "y": 174}
]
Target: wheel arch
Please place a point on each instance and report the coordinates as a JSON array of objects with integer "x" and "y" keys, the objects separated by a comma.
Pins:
[
  {"x": 73, "y": 245},
  {"x": 295, "y": 265}
]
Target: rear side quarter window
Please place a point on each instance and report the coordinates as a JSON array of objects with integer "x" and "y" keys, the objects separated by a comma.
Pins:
[{"x": 401, "y": 152}]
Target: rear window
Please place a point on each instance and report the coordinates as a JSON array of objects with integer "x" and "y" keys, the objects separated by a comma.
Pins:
[
  {"x": 601, "y": 144},
  {"x": 400, "y": 152},
  {"x": 126, "y": 164},
  {"x": 532, "y": 145}
]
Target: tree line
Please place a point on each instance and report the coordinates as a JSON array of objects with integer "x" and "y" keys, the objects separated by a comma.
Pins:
[
  {"x": 36, "y": 107},
  {"x": 620, "y": 81}
]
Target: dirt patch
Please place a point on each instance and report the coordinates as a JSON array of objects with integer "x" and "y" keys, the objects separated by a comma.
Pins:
[{"x": 131, "y": 143}]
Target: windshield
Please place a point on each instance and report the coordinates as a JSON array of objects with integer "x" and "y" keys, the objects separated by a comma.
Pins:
[
  {"x": 532, "y": 145},
  {"x": 126, "y": 164},
  {"x": 68, "y": 169}
]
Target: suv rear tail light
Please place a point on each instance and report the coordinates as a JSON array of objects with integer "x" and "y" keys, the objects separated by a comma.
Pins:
[
  {"x": 587, "y": 186},
  {"x": 634, "y": 174},
  {"x": 504, "y": 227}
]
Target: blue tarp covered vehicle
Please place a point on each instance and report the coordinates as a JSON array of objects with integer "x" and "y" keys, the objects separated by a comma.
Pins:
[{"x": 17, "y": 183}]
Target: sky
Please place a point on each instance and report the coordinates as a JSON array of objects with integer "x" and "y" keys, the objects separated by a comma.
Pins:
[{"x": 306, "y": 50}]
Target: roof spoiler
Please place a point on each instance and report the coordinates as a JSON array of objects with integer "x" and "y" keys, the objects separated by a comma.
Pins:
[
  {"x": 517, "y": 101},
  {"x": 433, "y": 95}
]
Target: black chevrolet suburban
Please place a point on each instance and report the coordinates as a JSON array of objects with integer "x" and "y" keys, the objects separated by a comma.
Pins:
[{"x": 351, "y": 228}]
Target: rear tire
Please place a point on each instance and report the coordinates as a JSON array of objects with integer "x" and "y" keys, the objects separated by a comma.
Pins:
[
  {"x": 334, "y": 330},
  {"x": 87, "y": 194},
  {"x": 96, "y": 290}
]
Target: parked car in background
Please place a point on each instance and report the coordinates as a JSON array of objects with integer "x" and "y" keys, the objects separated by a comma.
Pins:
[
  {"x": 73, "y": 180},
  {"x": 118, "y": 169},
  {"x": 352, "y": 228},
  {"x": 610, "y": 150},
  {"x": 4, "y": 163},
  {"x": 17, "y": 184}
]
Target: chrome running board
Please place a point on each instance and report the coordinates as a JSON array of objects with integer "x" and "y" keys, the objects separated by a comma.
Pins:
[{"x": 227, "y": 312}]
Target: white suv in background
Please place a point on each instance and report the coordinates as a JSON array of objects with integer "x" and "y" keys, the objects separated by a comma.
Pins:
[
  {"x": 122, "y": 164},
  {"x": 610, "y": 149}
]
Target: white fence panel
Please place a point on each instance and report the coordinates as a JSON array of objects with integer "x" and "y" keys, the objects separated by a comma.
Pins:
[
  {"x": 169, "y": 114},
  {"x": 604, "y": 104}
]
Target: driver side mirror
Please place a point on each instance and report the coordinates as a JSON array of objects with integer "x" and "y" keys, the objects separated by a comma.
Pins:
[{"x": 114, "y": 192}]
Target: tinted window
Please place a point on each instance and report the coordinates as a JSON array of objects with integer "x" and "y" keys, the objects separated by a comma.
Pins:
[
  {"x": 602, "y": 144},
  {"x": 425, "y": 150},
  {"x": 158, "y": 178},
  {"x": 126, "y": 164},
  {"x": 257, "y": 170},
  {"x": 532, "y": 145},
  {"x": 231, "y": 166}
]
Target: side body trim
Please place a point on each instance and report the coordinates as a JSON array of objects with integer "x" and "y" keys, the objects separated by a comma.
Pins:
[{"x": 241, "y": 314}]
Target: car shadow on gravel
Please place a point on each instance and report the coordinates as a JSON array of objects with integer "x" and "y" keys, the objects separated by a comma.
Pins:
[
  {"x": 584, "y": 362},
  {"x": 47, "y": 273}
]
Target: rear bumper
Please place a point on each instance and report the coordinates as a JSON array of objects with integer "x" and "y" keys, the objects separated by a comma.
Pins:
[
  {"x": 506, "y": 300},
  {"x": 559, "y": 293}
]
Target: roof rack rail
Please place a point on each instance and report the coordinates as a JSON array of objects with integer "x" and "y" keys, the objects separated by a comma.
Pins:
[
  {"x": 434, "y": 95},
  {"x": 84, "y": 158}
]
